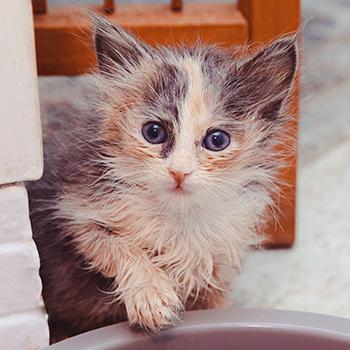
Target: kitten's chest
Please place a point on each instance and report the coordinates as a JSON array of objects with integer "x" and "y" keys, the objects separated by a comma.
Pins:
[
  {"x": 186, "y": 245},
  {"x": 155, "y": 225},
  {"x": 175, "y": 235},
  {"x": 172, "y": 237}
]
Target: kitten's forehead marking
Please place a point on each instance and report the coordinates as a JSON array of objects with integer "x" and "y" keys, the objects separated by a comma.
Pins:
[{"x": 193, "y": 112}]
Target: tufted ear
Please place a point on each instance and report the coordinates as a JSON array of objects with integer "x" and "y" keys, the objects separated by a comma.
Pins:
[
  {"x": 271, "y": 72},
  {"x": 117, "y": 49},
  {"x": 263, "y": 81}
]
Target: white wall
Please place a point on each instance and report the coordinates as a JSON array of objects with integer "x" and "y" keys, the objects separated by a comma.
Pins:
[
  {"x": 23, "y": 321},
  {"x": 20, "y": 134}
]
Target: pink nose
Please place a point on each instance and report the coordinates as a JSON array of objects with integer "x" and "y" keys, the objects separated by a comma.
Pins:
[{"x": 178, "y": 176}]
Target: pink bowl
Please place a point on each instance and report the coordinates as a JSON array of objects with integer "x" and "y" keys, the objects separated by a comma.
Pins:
[{"x": 226, "y": 329}]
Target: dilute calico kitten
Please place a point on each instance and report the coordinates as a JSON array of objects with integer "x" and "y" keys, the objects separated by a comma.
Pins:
[{"x": 153, "y": 190}]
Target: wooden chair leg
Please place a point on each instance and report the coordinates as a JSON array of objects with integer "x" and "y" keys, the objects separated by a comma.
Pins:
[
  {"x": 109, "y": 6},
  {"x": 268, "y": 19},
  {"x": 39, "y": 6}
]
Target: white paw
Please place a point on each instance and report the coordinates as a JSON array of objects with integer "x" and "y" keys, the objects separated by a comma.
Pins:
[{"x": 153, "y": 308}]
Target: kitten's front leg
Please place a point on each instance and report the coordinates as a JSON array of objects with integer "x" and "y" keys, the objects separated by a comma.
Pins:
[{"x": 151, "y": 301}]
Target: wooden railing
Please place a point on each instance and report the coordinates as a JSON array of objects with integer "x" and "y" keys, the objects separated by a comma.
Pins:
[{"x": 40, "y": 6}]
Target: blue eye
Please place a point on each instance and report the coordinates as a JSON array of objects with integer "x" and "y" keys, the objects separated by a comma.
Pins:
[
  {"x": 154, "y": 132},
  {"x": 216, "y": 140}
]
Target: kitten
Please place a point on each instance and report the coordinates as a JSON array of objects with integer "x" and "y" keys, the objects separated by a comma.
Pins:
[{"x": 152, "y": 192}]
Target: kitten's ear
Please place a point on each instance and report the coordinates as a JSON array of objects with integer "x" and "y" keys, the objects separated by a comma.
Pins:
[
  {"x": 269, "y": 76},
  {"x": 116, "y": 49}
]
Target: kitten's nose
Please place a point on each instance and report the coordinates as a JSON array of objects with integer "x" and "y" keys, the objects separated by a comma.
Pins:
[{"x": 178, "y": 176}]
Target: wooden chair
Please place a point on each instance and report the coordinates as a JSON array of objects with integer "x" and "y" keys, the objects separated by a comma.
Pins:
[{"x": 64, "y": 47}]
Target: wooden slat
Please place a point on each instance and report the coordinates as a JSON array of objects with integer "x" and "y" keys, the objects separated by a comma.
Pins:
[
  {"x": 109, "y": 6},
  {"x": 267, "y": 20},
  {"x": 39, "y": 6},
  {"x": 70, "y": 31},
  {"x": 176, "y": 5},
  {"x": 270, "y": 18}
]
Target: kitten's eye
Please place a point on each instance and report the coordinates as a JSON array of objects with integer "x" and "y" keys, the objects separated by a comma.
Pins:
[
  {"x": 154, "y": 132},
  {"x": 216, "y": 140}
]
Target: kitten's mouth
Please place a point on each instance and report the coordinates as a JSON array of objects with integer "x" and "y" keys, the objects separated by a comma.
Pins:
[{"x": 179, "y": 190}]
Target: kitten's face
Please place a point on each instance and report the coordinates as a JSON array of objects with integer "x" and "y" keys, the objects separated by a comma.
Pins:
[{"x": 190, "y": 123}]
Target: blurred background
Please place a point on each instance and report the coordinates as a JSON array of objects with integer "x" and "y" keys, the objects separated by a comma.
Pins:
[{"x": 314, "y": 274}]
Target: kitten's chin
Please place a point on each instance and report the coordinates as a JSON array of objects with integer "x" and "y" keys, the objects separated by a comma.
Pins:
[
  {"x": 169, "y": 190},
  {"x": 180, "y": 191}
]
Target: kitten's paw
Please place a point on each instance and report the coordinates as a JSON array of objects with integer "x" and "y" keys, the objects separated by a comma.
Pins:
[{"x": 153, "y": 308}]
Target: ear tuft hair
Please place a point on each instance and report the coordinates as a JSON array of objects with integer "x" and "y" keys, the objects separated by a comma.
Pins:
[
  {"x": 278, "y": 59},
  {"x": 116, "y": 49},
  {"x": 268, "y": 76}
]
